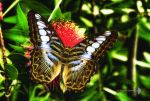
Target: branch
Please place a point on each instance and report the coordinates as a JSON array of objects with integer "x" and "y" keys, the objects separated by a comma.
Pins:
[{"x": 7, "y": 91}]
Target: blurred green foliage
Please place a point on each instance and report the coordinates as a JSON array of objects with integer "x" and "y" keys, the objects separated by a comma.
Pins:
[{"x": 111, "y": 83}]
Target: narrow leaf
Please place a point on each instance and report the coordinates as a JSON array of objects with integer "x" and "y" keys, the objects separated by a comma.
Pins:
[
  {"x": 147, "y": 56},
  {"x": 86, "y": 22},
  {"x": 17, "y": 48},
  {"x": 21, "y": 19},
  {"x": 11, "y": 19}
]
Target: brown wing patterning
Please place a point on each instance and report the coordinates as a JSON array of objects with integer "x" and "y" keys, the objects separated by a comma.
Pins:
[
  {"x": 78, "y": 72},
  {"x": 45, "y": 66}
]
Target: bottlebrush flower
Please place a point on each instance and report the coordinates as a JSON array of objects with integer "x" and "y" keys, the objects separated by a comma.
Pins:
[
  {"x": 68, "y": 32},
  {"x": 1, "y": 14}
]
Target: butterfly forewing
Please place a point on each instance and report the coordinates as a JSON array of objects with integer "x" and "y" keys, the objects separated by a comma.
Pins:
[
  {"x": 78, "y": 72},
  {"x": 45, "y": 66}
]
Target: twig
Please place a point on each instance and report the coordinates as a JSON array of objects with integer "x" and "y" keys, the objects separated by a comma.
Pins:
[{"x": 7, "y": 92}]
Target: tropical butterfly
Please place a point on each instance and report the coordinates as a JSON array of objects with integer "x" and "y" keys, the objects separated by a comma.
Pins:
[{"x": 52, "y": 58}]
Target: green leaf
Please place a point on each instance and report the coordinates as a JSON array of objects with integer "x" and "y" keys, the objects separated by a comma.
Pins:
[
  {"x": 17, "y": 48},
  {"x": 145, "y": 81},
  {"x": 1, "y": 58},
  {"x": 35, "y": 5},
  {"x": 17, "y": 58},
  {"x": 147, "y": 56},
  {"x": 11, "y": 19},
  {"x": 144, "y": 29},
  {"x": 11, "y": 71},
  {"x": 15, "y": 94},
  {"x": 123, "y": 96},
  {"x": 56, "y": 13},
  {"x": 87, "y": 22},
  {"x": 16, "y": 35},
  {"x": 87, "y": 8},
  {"x": 2, "y": 93},
  {"x": 67, "y": 16},
  {"x": 33, "y": 92},
  {"x": 21, "y": 19}
]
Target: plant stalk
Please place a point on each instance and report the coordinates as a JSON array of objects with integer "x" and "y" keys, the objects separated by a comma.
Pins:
[
  {"x": 10, "y": 7},
  {"x": 132, "y": 60},
  {"x": 7, "y": 91}
]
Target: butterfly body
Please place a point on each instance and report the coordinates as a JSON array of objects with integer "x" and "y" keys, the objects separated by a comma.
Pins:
[{"x": 50, "y": 58}]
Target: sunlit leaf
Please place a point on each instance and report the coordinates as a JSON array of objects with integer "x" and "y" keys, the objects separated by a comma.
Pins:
[
  {"x": 147, "y": 56},
  {"x": 94, "y": 79},
  {"x": 143, "y": 64},
  {"x": 144, "y": 29},
  {"x": 21, "y": 19},
  {"x": 16, "y": 36},
  {"x": 16, "y": 48},
  {"x": 2, "y": 78},
  {"x": 107, "y": 11},
  {"x": 1, "y": 58},
  {"x": 116, "y": 0},
  {"x": 2, "y": 93},
  {"x": 11, "y": 71},
  {"x": 123, "y": 96},
  {"x": 57, "y": 14},
  {"x": 124, "y": 18},
  {"x": 86, "y": 22},
  {"x": 124, "y": 58},
  {"x": 87, "y": 8},
  {"x": 110, "y": 23}
]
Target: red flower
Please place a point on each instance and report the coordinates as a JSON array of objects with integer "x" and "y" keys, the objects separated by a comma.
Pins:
[
  {"x": 68, "y": 32},
  {"x": 1, "y": 14}
]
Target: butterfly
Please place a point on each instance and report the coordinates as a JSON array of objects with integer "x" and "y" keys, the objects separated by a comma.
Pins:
[{"x": 51, "y": 59}]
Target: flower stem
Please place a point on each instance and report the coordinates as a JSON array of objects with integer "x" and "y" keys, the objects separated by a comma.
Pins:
[{"x": 10, "y": 7}]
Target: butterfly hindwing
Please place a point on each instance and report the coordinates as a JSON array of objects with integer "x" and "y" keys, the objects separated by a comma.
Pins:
[
  {"x": 78, "y": 72},
  {"x": 45, "y": 66}
]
